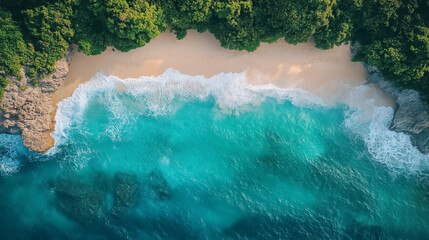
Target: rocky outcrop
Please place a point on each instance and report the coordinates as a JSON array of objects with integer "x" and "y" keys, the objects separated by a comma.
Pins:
[
  {"x": 411, "y": 116},
  {"x": 159, "y": 185},
  {"x": 88, "y": 200},
  {"x": 30, "y": 111},
  {"x": 81, "y": 201},
  {"x": 125, "y": 192}
]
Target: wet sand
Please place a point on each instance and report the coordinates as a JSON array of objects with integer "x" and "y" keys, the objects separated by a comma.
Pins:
[{"x": 322, "y": 72}]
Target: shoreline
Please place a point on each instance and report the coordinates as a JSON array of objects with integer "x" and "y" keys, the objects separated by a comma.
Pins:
[
  {"x": 28, "y": 110},
  {"x": 321, "y": 72}
]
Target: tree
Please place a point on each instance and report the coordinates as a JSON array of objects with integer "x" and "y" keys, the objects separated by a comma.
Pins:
[
  {"x": 49, "y": 31},
  {"x": 132, "y": 23},
  {"x": 393, "y": 34},
  {"x": 340, "y": 25},
  {"x": 395, "y": 39},
  {"x": 13, "y": 49},
  {"x": 233, "y": 25},
  {"x": 125, "y": 24},
  {"x": 295, "y": 20}
]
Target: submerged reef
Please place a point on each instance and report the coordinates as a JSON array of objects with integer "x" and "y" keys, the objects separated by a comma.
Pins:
[
  {"x": 89, "y": 200},
  {"x": 80, "y": 201},
  {"x": 159, "y": 185},
  {"x": 126, "y": 192}
]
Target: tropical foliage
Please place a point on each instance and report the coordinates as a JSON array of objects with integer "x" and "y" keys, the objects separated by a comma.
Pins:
[{"x": 393, "y": 34}]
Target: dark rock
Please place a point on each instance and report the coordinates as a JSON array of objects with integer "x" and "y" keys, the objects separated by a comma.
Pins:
[
  {"x": 125, "y": 192},
  {"x": 422, "y": 139},
  {"x": 80, "y": 201},
  {"x": 159, "y": 185},
  {"x": 411, "y": 116}
]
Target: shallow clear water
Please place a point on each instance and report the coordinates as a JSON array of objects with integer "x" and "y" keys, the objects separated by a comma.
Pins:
[{"x": 180, "y": 157}]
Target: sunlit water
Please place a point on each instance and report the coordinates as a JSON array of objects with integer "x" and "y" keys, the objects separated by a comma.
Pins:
[{"x": 181, "y": 157}]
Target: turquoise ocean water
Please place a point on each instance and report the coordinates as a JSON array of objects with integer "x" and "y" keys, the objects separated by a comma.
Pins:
[{"x": 181, "y": 157}]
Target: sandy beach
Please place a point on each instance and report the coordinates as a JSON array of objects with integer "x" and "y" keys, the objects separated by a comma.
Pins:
[{"x": 284, "y": 65}]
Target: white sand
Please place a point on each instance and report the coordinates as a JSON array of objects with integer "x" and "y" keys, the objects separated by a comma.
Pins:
[{"x": 321, "y": 72}]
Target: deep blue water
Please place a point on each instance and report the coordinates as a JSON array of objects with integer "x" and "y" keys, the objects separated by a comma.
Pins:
[{"x": 180, "y": 157}]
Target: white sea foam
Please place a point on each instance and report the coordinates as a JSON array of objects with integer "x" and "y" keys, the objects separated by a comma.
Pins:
[
  {"x": 371, "y": 123},
  {"x": 11, "y": 148},
  {"x": 231, "y": 92}
]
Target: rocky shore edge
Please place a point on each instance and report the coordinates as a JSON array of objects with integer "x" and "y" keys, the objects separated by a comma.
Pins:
[
  {"x": 30, "y": 111},
  {"x": 411, "y": 117}
]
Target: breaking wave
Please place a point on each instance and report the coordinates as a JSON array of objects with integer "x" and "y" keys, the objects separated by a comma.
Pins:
[{"x": 232, "y": 94}]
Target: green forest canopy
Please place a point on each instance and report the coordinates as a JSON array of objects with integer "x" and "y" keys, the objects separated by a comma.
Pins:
[{"x": 393, "y": 34}]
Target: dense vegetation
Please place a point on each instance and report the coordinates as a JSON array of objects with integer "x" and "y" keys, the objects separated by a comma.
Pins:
[
  {"x": 3, "y": 83},
  {"x": 393, "y": 34}
]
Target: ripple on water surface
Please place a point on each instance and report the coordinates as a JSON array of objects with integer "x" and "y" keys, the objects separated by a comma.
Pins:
[{"x": 185, "y": 157}]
